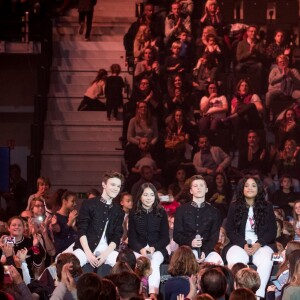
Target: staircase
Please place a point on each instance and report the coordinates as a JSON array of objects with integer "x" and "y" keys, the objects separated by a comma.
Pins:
[{"x": 80, "y": 146}]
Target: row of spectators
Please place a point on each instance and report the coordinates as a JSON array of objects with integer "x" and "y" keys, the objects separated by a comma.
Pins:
[{"x": 49, "y": 227}]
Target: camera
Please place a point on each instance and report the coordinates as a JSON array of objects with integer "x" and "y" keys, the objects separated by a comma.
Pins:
[
  {"x": 277, "y": 257},
  {"x": 9, "y": 240},
  {"x": 38, "y": 220},
  {"x": 164, "y": 198}
]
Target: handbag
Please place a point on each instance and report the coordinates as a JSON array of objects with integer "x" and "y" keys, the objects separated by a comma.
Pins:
[{"x": 174, "y": 143}]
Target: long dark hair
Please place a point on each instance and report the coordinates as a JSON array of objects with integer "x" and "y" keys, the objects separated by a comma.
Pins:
[
  {"x": 172, "y": 124},
  {"x": 156, "y": 205},
  {"x": 260, "y": 204},
  {"x": 102, "y": 75}
]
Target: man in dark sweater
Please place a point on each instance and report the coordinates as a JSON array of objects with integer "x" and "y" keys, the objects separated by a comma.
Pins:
[
  {"x": 197, "y": 223},
  {"x": 100, "y": 225}
]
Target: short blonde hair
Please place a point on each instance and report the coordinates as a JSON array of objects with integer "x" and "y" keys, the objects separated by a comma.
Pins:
[{"x": 247, "y": 278}]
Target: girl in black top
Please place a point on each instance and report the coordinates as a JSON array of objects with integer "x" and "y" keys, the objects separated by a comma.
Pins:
[
  {"x": 64, "y": 222},
  {"x": 148, "y": 232}
]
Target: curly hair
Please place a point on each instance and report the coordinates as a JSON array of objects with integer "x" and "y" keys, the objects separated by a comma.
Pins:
[
  {"x": 156, "y": 204},
  {"x": 183, "y": 262},
  {"x": 260, "y": 204}
]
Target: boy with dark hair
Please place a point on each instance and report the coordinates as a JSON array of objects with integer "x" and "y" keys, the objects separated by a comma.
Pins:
[
  {"x": 213, "y": 282},
  {"x": 197, "y": 223},
  {"x": 128, "y": 285}
]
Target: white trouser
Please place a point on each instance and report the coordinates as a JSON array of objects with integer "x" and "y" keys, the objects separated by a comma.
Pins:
[
  {"x": 261, "y": 259},
  {"x": 110, "y": 260},
  {"x": 154, "y": 279},
  {"x": 212, "y": 257}
]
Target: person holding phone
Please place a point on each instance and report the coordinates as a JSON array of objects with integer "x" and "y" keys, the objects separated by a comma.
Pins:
[
  {"x": 251, "y": 229},
  {"x": 18, "y": 242},
  {"x": 148, "y": 232}
]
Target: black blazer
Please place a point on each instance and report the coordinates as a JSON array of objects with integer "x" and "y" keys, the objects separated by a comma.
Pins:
[
  {"x": 148, "y": 228},
  {"x": 91, "y": 222},
  {"x": 266, "y": 233},
  {"x": 191, "y": 220}
]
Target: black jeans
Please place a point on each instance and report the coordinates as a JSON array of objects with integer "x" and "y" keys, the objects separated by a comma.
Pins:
[{"x": 89, "y": 20}]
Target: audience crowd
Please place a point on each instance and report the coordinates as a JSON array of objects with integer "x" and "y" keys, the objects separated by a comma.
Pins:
[{"x": 211, "y": 139}]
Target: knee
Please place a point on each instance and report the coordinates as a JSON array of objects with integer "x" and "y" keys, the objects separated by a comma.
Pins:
[{"x": 236, "y": 254}]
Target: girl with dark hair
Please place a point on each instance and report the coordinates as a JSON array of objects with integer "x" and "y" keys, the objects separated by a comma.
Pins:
[
  {"x": 96, "y": 89},
  {"x": 177, "y": 136},
  {"x": 64, "y": 222},
  {"x": 148, "y": 232},
  {"x": 178, "y": 98},
  {"x": 251, "y": 229},
  {"x": 220, "y": 194},
  {"x": 288, "y": 128}
]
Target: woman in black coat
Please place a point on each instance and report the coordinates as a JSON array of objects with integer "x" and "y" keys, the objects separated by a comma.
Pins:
[{"x": 148, "y": 232}]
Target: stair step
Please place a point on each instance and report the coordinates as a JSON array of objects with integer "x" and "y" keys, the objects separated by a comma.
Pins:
[
  {"x": 87, "y": 65},
  {"x": 97, "y": 29},
  {"x": 84, "y": 134},
  {"x": 76, "y": 188},
  {"x": 67, "y": 104},
  {"x": 76, "y": 147},
  {"x": 90, "y": 46},
  {"x": 79, "y": 147},
  {"x": 80, "y": 38},
  {"x": 67, "y": 178},
  {"x": 78, "y": 163},
  {"x": 88, "y": 54},
  {"x": 86, "y": 117},
  {"x": 80, "y": 78},
  {"x": 121, "y": 14},
  {"x": 72, "y": 77}
]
